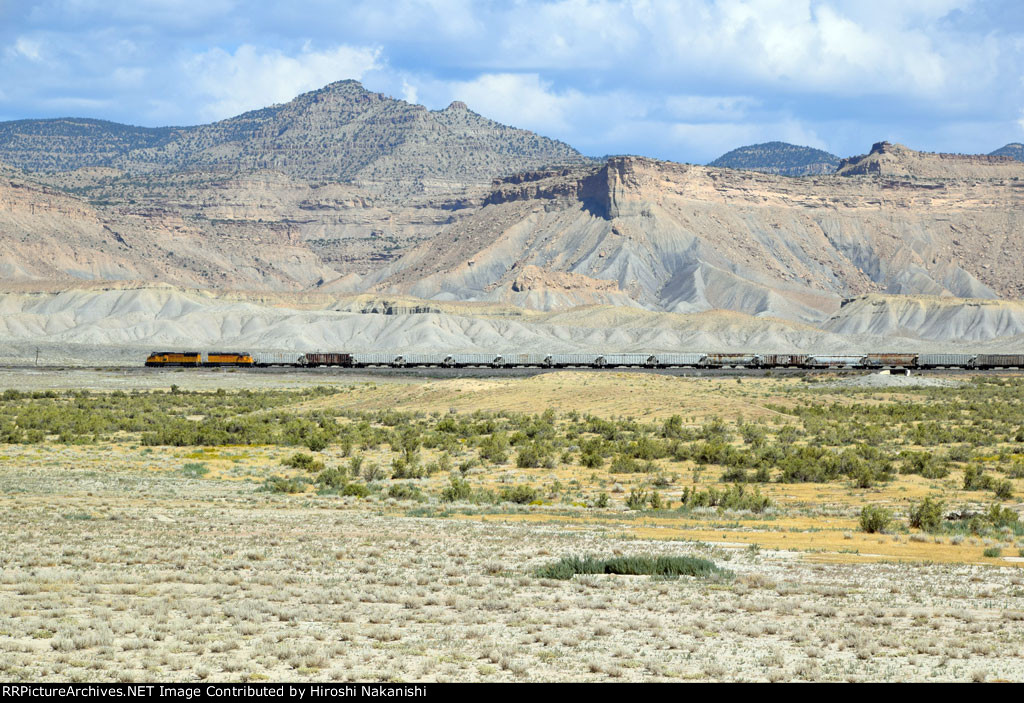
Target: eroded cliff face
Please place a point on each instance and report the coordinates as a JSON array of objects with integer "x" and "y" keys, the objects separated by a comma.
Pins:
[
  {"x": 688, "y": 238},
  {"x": 632, "y": 232},
  {"x": 257, "y": 231}
]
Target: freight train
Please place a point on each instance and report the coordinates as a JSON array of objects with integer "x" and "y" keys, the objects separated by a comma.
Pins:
[{"x": 697, "y": 360}]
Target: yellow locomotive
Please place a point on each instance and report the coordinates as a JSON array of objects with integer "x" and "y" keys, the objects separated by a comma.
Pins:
[{"x": 199, "y": 359}]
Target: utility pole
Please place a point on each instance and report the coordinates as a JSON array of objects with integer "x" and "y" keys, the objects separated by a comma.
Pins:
[{"x": 37, "y": 356}]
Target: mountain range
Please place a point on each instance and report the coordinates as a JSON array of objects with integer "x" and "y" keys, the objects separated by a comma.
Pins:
[
  {"x": 343, "y": 192},
  {"x": 341, "y": 132}
]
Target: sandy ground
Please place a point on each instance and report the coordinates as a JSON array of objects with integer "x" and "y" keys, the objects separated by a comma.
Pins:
[
  {"x": 137, "y": 577},
  {"x": 137, "y": 377}
]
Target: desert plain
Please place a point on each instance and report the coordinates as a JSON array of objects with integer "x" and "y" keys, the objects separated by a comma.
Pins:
[{"x": 239, "y": 526}]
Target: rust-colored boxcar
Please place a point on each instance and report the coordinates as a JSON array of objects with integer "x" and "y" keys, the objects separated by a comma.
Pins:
[
  {"x": 891, "y": 360},
  {"x": 783, "y": 360},
  {"x": 328, "y": 359}
]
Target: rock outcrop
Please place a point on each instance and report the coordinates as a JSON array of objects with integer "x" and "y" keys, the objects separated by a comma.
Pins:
[{"x": 896, "y": 160}]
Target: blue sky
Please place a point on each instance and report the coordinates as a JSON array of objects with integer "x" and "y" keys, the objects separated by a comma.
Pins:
[{"x": 684, "y": 80}]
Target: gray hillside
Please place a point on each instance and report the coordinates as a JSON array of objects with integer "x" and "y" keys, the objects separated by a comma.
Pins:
[{"x": 1014, "y": 150}]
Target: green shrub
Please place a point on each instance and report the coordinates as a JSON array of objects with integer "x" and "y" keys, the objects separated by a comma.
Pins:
[
  {"x": 874, "y": 518},
  {"x": 927, "y": 515},
  {"x": 666, "y": 567},
  {"x": 403, "y": 491},
  {"x": 358, "y": 490},
  {"x": 317, "y": 442},
  {"x": 280, "y": 484},
  {"x": 637, "y": 499},
  {"x": 521, "y": 494},
  {"x": 994, "y": 552},
  {"x": 626, "y": 464},
  {"x": 332, "y": 479},
  {"x": 976, "y": 480},
  {"x": 864, "y": 477},
  {"x": 1003, "y": 489},
  {"x": 457, "y": 490},
  {"x": 194, "y": 469},
  {"x": 401, "y": 468},
  {"x": 304, "y": 462},
  {"x": 372, "y": 472},
  {"x": 960, "y": 452},
  {"x": 925, "y": 464},
  {"x": 532, "y": 455},
  {"x": 736, "y": 497},
  {"x": 494, "y": 448},
  {"x": 591, "y": 457},
  {"x": 1001, "y": 517}
]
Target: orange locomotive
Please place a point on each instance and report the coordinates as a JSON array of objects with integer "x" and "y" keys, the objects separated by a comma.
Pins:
[{"x": 199, "y": 359}]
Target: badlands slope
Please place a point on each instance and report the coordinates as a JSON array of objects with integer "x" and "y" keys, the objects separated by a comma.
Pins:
[
  {"x": 120, "y": 326},
  {"x": 685, "y": 239}
]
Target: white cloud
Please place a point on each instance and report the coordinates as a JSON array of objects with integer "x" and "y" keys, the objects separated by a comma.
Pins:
[
  {"x": 519, "y": 99},
  {"x": 252, "y": 78},
  {"x": 178, "y": 14},
  {"x": 703, "y": 107},
  {"x": 409, "y": 93},
  {"x": 712, "y": 139},
  {"x": 830, "y": 46},
  {"x": 25, "y": 47},
  {"x": 681, "y": 79},
  {"x": 129, "y": 76}
]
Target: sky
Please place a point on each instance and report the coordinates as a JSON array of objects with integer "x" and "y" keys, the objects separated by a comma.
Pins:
[{"x": 685, "y": 80}]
